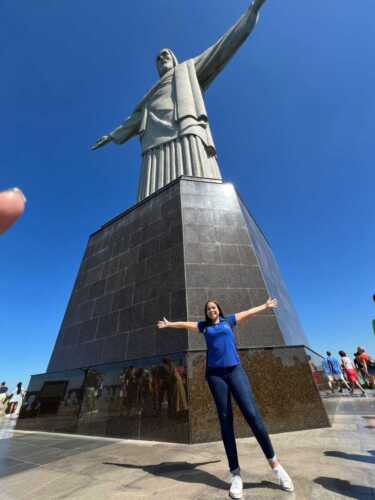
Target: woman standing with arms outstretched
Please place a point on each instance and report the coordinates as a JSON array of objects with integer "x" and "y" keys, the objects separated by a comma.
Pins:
[{"x": 225, "y": 376}]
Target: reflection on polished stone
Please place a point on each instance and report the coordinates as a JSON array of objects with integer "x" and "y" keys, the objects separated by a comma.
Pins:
[
  {"x": 167, "y": 399},
  {"x": 146, "y": 399}
]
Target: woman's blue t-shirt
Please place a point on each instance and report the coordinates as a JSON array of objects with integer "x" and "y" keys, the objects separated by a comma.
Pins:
[{"x": 221, "y": 342}]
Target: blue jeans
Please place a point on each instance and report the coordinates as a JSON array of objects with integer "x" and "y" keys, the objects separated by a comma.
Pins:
[{"x": 233, "y": 380}]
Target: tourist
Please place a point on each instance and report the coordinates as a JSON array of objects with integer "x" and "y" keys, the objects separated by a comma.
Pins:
[
  {"x": 3, "y": 388},
  {"x": 349, "y": 369},
  {"x": 12, "y": 206},
  {"x": 3, "y": 398},
  {"x": 368, "y": 364},
  {"x": 15, "y": 401},
  {"x": 225, "y": 376},
  {"x": 361, "y": 370},
  {"x": 336, "y": 375}
]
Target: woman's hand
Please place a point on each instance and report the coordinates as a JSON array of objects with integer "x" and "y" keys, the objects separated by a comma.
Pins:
[
  {"x": 164, "y": 323},
  {"x": 271, "y": 303},
  {"x": 12, "y": 205}
]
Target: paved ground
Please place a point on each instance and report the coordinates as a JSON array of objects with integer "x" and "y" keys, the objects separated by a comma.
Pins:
[{"x": 337, "y": 462}]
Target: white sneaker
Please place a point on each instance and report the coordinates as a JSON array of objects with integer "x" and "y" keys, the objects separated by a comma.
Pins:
[
  {"x": 236, "y": 487},
  {"x": 283, "y": 478}
]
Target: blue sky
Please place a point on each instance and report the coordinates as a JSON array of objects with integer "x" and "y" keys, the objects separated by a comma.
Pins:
[{"x": 292, "y": 117}]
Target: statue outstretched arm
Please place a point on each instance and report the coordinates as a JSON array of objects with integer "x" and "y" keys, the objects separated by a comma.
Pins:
[
  {"x": 123, "y": 133},
  {"x": 209, "y": 64}
]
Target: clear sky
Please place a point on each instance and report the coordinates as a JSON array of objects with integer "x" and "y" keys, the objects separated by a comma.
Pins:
[{"x": 293, "y": 121}]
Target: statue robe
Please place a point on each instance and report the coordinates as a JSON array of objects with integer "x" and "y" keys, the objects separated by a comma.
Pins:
[{"x": 172, "y": 120}]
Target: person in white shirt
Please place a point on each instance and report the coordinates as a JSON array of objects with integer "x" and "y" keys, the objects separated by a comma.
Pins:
[
  {"x": 350, "y": 371},
  {"x": 15, "y": 401}
]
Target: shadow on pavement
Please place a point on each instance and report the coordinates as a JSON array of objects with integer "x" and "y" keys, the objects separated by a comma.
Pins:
[
  {"x": 169, "y": 470},
  {"x": 346, "y": 488},
  {"x": 352, "y": 456}
]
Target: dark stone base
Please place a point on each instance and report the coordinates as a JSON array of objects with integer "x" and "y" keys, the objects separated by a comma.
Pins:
[
  {"x": 168, "y": 399},
  {"x": 112, "y": 373}
]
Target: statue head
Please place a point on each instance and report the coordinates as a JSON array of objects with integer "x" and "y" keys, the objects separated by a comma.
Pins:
[{"x": 165, "y": 61}]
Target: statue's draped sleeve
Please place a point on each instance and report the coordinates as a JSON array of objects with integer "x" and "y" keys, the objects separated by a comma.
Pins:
[{"x": 209, "y": 64}]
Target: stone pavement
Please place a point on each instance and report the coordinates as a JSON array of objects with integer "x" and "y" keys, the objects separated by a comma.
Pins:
[{"x": 336, "y": 462}]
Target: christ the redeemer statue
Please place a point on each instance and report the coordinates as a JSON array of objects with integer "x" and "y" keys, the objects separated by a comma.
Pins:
[{"x": 171, "y": 119}]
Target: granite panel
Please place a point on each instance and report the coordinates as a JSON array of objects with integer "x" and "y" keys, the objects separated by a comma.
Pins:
[
  {"x": 192, "y": 215},
  {"x": 205, "y": 276},
  {"x": 108, "y": 325},
  {"x": 111, "y": 267},
  {"x": 103, "y": 305},
  {"x": 196, "y": 299},
  {"x": 115, "y": 348},
  {"x": 81, "y": 295},
  {"x": 90, "y": 352},
  {"x": 115, "y": 282},
  {"x": 93, "y": 275},
  {"x": 149, "y": 248},
  {"x": 196, "y": 339},
  {"x": 247, "y": 255},
  {"x": 283, "y": 386},
  {"x": 85, "y": 311},
  {"x": 177, "y": 305},
  {"x": 170, "y": 341},
  {"x": 230, "y": 254},
  {"x": 243, "y": 276},
  {"x": 87, "y": 331},
  {"x": 123, "y": 298},
  {"x": 96, "y": 290},
  {"x": 198, "y": 233},
  {"x": 231, "y": 300},
  {"x": 260, "y": 330},
  {"x": 258, "y": 296},
  {"x": 70, "y": 335},
  {"x": 131, "y": 318},
  {"x": 142, "y": 343}
]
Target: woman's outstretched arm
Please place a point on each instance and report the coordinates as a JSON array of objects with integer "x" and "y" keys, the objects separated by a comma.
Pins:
[
  {"x": 191, "y": 325},
  {"x": 270, "y": 304}
]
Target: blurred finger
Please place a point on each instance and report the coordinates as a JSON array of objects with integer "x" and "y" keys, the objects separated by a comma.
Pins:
[{"x": 12, "y": 206}]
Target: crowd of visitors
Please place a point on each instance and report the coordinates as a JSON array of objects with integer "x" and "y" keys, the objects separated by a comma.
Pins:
[
  {"x": 11, "y": 401},
  {"x": 349, "y": 373}
]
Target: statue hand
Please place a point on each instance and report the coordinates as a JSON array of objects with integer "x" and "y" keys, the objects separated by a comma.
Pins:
[
  {"x": 257, "y": 4},
  {"x": 102, "y": 141}
]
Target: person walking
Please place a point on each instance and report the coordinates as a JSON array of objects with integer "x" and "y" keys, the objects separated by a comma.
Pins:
[
  {"x": 3, "y": 388},
  {"x": 225, "y": 377},
  {"x": 368, "y": 364},
  {"x": 349, "y": 368},
  {"x": 361, "y": 371},
  {"x": 336, "y": 375},
  {"x": 15, "y": 401}
]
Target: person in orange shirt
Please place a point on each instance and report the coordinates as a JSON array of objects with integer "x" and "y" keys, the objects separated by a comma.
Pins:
[
  {"x": 368, "y": 364},
  {"x": 12, "y": 206}
]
